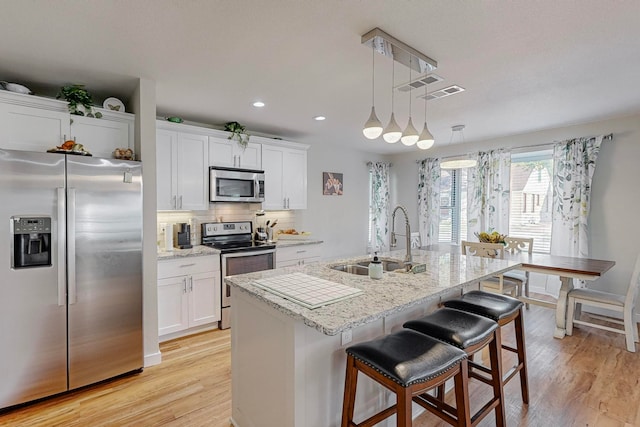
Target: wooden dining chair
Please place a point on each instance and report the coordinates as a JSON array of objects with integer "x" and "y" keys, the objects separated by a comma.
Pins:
[
  {"x": 497, "y": 284},
  {"x": 515, "y": 245},
  {"x": 624, "y": 304}
]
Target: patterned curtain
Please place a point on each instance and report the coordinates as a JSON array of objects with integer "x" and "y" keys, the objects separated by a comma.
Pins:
[
  {"x": 574, "y": 162},
  {"x": 380, "y": 204},
  {"x": 429, "y": 201},
  {"x": 488, "y": 193}
]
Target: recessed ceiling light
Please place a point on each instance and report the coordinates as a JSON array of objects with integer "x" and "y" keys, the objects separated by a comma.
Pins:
[
  {"x": 319, "y": 118},
  {"x": 258, "y": 104}
]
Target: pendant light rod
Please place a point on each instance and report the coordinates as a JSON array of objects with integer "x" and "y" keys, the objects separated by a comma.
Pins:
[{"x": 393, "y": 48}]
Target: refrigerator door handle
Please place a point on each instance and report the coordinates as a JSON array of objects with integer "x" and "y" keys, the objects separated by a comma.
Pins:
[
  {"x": 62, "y": 231},
  {"x": 71, "y": 244}
]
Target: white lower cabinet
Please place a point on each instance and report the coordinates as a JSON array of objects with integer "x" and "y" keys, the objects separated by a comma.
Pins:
[
  {"x": 291, "y": 256},
  {"x": 188, "y": 293}
]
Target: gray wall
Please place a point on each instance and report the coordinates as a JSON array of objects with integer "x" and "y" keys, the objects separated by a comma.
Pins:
[{"x": 340, "y": 221}]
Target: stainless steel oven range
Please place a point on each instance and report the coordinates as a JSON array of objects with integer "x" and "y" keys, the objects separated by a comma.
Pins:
[{"x": 239, "y": 254}]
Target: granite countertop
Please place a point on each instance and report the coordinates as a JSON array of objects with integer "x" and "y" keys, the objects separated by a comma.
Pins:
[
  {"x": 393, "y": 293},
  {"x": 197, "y": 250}
]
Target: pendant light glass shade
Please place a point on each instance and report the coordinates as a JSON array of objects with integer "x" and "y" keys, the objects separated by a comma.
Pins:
[
  {"x": 426, "y": 140},
  {"x": 373, "y": 127},
  {"x": 392, "y": 132},
  {"x": 410, "y": 135}
]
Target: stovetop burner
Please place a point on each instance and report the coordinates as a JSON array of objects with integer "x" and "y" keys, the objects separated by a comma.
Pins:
[{"x": 232, "y": 237}]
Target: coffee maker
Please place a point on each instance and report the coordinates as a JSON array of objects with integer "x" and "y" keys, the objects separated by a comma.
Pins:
[{"x": 182, "y": 235}]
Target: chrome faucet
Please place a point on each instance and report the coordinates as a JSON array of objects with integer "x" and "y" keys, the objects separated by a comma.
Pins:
[{"x": 407, "y": 258}]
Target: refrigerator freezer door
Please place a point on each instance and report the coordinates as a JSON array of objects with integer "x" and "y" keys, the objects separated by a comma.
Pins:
[
  {"x": 105, "y": 272},
  {"x": 33, "y": 359}
]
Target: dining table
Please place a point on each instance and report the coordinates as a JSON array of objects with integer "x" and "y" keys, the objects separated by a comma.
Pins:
[{"x": 566, "y": 268}]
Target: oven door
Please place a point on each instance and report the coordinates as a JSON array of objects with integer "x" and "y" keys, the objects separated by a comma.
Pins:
[{"x": 241, "y": 263}]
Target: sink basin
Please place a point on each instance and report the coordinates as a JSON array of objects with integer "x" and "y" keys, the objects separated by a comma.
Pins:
[{"x": 362, "y": 267}]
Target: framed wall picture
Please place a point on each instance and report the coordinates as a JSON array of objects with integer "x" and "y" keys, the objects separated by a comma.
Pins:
[{"x": 332, "y": 184}]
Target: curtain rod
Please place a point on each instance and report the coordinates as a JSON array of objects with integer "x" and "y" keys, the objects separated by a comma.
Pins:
[{"x": 607, "y": 137}]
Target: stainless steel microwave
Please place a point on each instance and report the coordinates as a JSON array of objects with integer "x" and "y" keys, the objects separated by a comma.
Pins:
[{"x": 236, "y": 185}]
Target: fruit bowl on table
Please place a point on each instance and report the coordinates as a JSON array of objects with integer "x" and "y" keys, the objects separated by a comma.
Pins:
[{"x": 493, "y": 237}]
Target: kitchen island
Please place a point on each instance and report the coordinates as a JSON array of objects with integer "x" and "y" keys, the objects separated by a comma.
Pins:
[{"x": 288, "y": 361}]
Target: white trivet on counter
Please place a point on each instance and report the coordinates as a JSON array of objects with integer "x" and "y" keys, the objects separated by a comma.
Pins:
[{"x": 308, "y": 291}]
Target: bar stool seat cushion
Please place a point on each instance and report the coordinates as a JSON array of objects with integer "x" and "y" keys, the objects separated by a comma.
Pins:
[
  {"x": 454, "y": 327},
  {"x": 487, "y": 304},
  {"x": 407, "y": 357}
]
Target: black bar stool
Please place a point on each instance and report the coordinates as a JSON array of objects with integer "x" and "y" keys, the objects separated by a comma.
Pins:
[
  {"x": 470, "y": 333},
  {"x": 408, "y": 364},
  {"x": 502, "y": 309}
]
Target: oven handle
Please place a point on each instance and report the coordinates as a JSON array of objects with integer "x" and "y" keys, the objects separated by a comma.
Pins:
[{"x": 248, "y": 253}]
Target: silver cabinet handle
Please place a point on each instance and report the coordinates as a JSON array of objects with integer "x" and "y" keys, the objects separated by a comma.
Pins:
[
  {"x": 284, "y": 203},
  {"x": 173, "y": 202},
  {"x": 180, "y": 203},
  {"x": 187, "y": 265},
  {"x": 71, "y": 244},
  {"x": 190, "y": 283},
  {"x": 62, "y": 231},
  {"x": 184, "y": 285},
  {"x": 301, "y": 252}
]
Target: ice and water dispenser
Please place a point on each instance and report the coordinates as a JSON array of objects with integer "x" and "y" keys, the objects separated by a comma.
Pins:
[{"x": 31, "y": 242}]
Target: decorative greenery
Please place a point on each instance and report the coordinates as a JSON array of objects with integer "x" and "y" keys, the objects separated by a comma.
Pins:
[
  {"x": 238, "y": 132},
  {"x": 76, "y": 95}
]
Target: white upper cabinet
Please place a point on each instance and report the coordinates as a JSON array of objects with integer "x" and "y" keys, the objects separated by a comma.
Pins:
[
  {"x": 285, "y": 169},
  {"x": 102, "y": 136},
  {"x": 182, "y": 170},
  {"x": 33, "y": 123},
  {"x": 228, "y": 153}
]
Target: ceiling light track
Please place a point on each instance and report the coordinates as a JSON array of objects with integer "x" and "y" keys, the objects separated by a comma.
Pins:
[{"x": 400, "y": 52}]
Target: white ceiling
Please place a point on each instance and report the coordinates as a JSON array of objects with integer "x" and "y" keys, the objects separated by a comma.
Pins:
[{"x": 526, "y": 65}]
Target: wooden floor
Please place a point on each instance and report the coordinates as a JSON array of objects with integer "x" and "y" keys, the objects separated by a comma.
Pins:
[{"x": 584, "y": 380}]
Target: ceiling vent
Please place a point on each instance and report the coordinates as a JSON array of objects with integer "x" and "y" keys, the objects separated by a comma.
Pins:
[
  {"x": 420, "y": 82},
  {"x": 442, "y": 93}
]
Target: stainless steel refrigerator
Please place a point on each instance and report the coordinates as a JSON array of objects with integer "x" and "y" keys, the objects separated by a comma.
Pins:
[{"x": 70, "y": 272}]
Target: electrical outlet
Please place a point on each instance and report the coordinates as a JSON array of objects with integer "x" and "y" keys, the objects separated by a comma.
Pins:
[{"x": 347, "y": 336}]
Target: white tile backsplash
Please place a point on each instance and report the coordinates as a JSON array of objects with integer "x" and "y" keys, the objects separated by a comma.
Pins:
[{"x": 225, "y": 212}]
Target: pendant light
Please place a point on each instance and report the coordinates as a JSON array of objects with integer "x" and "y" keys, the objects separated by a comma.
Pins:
[
  {"x": 410, "y": 134},
  {"x": 373, "y": 126},
  {"x": 458, "y": 162},
  {"x": 426, "y": 139},
  {"x": 392, "y": 133}
]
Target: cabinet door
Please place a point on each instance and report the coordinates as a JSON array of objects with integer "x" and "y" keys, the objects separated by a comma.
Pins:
[
  {"x": 204, "y": 298},
  {"x": 250, "y": 157},
  {"x": 221, "y": 153},
  {"x": 273, "y": 164},
  {"x": 173, "y": 305},
  {"x": 167, "y": 175},
  {"x": 101, "y": 136},
  {"x": 295, "y": 178},
  {"x": 32, "y": 129},
  {"x": 192, "y": 170}
]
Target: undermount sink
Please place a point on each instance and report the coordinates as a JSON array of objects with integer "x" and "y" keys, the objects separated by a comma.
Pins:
[{"x": 362, "y": 267}]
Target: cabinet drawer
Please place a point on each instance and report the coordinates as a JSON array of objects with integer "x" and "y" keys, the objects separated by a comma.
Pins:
[
  {"x": 188, "y": 265},
  {"x": 297, "y": 252}
]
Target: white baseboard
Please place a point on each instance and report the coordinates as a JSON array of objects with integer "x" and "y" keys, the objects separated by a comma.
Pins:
[{"x": 152, "y": 359}]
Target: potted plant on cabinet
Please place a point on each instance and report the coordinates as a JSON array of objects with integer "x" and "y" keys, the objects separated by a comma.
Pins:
[
  {"x": 238, "y": 132},
  {"x": 76, "y": 95}
]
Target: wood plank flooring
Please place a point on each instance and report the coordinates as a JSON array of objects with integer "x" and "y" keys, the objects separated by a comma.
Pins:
[{"x": 584, "y": 380}]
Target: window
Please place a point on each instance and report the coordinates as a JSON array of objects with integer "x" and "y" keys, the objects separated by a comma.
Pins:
[
  {"x": 453, "y": 205},
  {"x": 531, "y": 197},
  {"x": 530, "y": 200}
]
